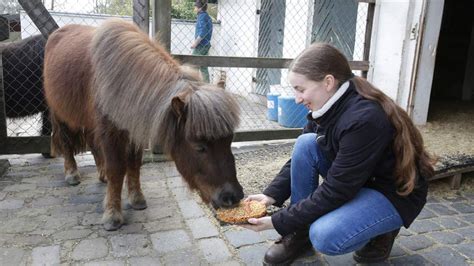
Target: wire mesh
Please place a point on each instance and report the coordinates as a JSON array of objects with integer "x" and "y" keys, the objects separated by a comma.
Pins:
[{"x": 250, "y": 28}]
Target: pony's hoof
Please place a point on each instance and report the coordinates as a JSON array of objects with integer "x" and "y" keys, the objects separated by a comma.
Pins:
[
  {"x": 112, "y": 221},
  {"x": 73, "y": 179},
  {"x": 47, "y": 155},
  {"x": 138, "y": 204},
  {"x": 103, "y": 179}
]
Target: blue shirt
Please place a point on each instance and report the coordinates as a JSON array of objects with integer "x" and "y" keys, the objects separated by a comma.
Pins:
[{"x": 203, "y": 28}]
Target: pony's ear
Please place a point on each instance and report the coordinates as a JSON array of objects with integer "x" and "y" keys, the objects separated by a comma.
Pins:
[{"x": 178, "y": 103}]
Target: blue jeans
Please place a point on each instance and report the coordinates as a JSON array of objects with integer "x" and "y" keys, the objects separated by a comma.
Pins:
[{"x": 352, "y": 225}]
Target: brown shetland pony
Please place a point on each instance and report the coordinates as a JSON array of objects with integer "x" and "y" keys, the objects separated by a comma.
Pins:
[{"x": 115, "y": 90}]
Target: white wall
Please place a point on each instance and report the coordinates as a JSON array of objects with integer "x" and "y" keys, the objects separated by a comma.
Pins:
[{"x": 403, "y": 50}]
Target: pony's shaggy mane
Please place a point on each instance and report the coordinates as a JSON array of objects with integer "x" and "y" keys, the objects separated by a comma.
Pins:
[{"x": 135, "y": 81}]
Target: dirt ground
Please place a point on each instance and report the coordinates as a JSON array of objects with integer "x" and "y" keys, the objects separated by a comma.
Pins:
[{"x": 449, "y": 132}]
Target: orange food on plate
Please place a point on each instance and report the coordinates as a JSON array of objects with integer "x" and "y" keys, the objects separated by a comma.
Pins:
[{"x": 241, "y": 213}]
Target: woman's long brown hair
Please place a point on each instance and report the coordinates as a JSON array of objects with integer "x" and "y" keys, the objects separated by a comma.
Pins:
[{"x": 321, "y": 59}]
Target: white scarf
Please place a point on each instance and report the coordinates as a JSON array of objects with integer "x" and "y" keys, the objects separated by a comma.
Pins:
[{"x": 318, "y": 113}]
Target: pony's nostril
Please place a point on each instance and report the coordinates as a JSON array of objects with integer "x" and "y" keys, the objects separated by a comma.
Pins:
[{"x": 228, "y": 199}]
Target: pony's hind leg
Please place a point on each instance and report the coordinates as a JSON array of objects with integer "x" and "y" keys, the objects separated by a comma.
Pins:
[
  {"x": 68, "y": 142},
  {"x": 135, "y": 195}
]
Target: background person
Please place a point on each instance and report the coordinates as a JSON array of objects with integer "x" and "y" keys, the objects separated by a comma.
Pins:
[{"x": 202, "y": 34}]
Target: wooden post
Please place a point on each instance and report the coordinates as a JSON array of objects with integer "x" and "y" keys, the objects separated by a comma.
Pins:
[
  {"x": 141, "y": 9},
  {"x": 162, "y": 22},
  {"x": 455, "y": 181},
  {"x": 368, "y": 34}
]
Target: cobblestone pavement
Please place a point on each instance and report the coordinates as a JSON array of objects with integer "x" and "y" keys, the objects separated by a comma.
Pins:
[{"x": 45, "y": 221}]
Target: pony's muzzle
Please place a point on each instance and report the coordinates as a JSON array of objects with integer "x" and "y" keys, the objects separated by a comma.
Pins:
[{"x": 230, "y": 195}]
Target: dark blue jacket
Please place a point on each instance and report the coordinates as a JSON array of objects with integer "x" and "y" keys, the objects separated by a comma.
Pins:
[
  {"x": 356, "y": 136},
  {"x": 203, "y": 28}
]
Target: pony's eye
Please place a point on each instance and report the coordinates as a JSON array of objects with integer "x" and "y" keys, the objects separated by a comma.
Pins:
[{"x": 201, "y": 148}]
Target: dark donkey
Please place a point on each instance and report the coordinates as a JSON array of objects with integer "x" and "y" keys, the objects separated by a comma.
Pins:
[
  {"x": 117, "y": 90},
  {"x": 23, "y": 80}
]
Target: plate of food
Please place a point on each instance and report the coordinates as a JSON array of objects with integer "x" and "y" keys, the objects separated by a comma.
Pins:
[{"x": 242, "y": 212}]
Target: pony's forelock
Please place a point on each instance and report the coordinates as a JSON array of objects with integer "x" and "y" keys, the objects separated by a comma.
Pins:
[{"x": 212, "y": 113}]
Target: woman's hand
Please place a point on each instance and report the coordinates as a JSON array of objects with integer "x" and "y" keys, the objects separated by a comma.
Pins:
[
  {"x": 262, "y": 198},
  {"x": 259, "y": 224}
]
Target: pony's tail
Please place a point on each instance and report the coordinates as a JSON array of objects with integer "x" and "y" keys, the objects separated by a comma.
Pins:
[{"x": 65, "y": 140}]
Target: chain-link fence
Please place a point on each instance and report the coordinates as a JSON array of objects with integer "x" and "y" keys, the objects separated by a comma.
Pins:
[
  {"x": 276, "y": 29},
  {"x": 273, "y": 29}
]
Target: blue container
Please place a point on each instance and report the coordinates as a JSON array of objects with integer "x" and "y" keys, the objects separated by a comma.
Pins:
[
  {"x": 272, "y": 106},
  {"x": 291, "y": 114}
]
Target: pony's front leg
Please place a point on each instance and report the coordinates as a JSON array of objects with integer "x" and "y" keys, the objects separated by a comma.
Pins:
[
  {"x": 114, "y": 151},
  {"x": 135, "y": 195}
]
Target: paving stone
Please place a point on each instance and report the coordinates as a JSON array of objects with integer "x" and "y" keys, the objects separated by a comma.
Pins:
[
  {"x": 19, "y": 187},
  {"x": 424, "y": 226},
  {"x": 155, "y": 213},
  {"x": 2, "y": 195},
  {"x": 467, "y": 232},
  {"x": 130, "y": 245},
  {"x": 228, "y": 263},
  {"x": 425, "y": 214},
  {"x": 141, "y": 261},
  {"x": 31, "y": 240},
  {"x": 450, "y": 222},
  {"x": 57, "y": 222},
  {"x": 415, "y": 243},
  {"x": 92, "y": 219},
  {"x": 164, "y": 224},
  {"x": 463, "y": 207},
  {"x": 410, "y": 260},
  {"x": 405, "y": 232},
  {"x": 190, "y": 209},
  {"x": 170, "y": 240},
  {"x": 144, "y": 261},
  {"x": 271, "y": 235},
  {"x": 46, "y": 255},
  {"x": 253, "y": 255},
  {"x": 97, "y": 188},
  {"x": 397, "y": 250},
  {"x": 242, "y": 237},
  {"x": 468, "y": 218},
  {"x": 176, "y": 181},
  {"x": 19, "y": 226},
  {"x": 345, "y": 259},
  {"x": 181, "y": 193},
  {"x": 89, "y": 249},
  {"x": 86, "y": 199},
  {"x": 105, "y": 263},
  {"x": 202, "y": 227},
  {"x": 466, "y": 249},
  {"x": 314, "y": 259},
  {"x": 446, "y": 237},
  {"x": 441, "y": 209},
  {"x": 72, "y": 234},
  {"x": 214, "y": 250},
  {"x": 183, "y": 257},
  {"x": 11, "y": 204},
  {"x": 47, "y": 201},
  {"x": 11, "y": 256},
  {"x": 444, "y": 256}
]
